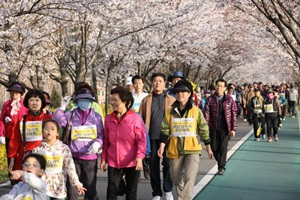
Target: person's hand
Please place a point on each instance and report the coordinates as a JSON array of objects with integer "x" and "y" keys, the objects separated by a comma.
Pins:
[
  {"x": 209, "y": 152},
  {"x": 2, "y": 140},
  {"x": 139, "y": 164},
  {"x": 16, "y": 175},
  {"x": 7, "y": 119},
  {"x": 80, "y": 189},
  {"x": 64, "y": 102},
  {"x": 161, "y": 150},
  {"x": 11, "y": 164},
  {"x": 259, "y": 111},
  {"x": 102, "y": 166},
  {"x": 232, "y": 133},
  {"x": 94, "y": 148}
]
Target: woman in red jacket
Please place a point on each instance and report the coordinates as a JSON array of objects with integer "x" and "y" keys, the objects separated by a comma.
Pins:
[
  {"x": 11, "y": 111},
  {"x": 34, "y": 118}
]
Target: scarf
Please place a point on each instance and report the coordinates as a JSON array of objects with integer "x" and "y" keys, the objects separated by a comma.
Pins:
[{"x": 15, "y": 107}]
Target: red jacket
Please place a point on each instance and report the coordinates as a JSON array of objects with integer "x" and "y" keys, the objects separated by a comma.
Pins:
[
  {"x": 16, "y": 149},
  {"x": 211, "y": 112},
  {"x": 1, "y": 128},
  {"x": 6, "y": 109}
]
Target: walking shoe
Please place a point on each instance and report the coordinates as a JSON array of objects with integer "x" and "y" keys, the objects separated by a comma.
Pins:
[
  {"x": 168, "y": 196},
  {"x": 283, "y": 119},
  {"x": 257, "y": 139},
  {"x": 156, "y": 198},
  {"x": 146, "y": 174},
  {"x": 264, "y": 136},
  {"x": 276, "y": 138},
  {"x": 221, "y": 172},
  {"x": 270, "y": 139},
  {"x": 293, "y": 116},
  {"x": 245, "y": 120}
]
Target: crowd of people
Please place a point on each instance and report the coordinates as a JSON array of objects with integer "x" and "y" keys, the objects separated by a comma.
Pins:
[{"x": 53, "y": 154}]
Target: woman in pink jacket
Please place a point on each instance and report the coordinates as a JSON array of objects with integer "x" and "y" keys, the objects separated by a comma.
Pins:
[{"x": 124, "y": 144}]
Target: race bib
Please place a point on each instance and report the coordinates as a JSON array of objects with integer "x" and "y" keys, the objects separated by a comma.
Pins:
[
  {"x": 54, "y": 162},
  {"x": 84, "y": 132},
  {"x": 282, "y": 95},
  {"x": 183, "y": 127},
  {"x": 33, "y": 131},
  {"x": 269, "y": 108},
  {"x": 24, "y": 197}
]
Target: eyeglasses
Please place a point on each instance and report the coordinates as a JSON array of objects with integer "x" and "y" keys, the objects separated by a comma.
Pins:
[{"x": 30, "y": 165}]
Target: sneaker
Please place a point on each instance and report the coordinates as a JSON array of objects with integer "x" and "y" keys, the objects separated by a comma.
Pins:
[
  {"x": 264, "y": 136},
  {"x": 168, "y": 196},
  {"x": 257, "y": 139},
  {"x": 293, "y": 116},
  {"x": 156, "y": 198},
  {"x": 270, "y": 139},
  {"x": 221, "y": 172},
  {"x": 146, "y": 174},
  {"x": 245, "y": 120},
  {"x": 283, "y": 119},
  {"x": 276, "y": 138}
]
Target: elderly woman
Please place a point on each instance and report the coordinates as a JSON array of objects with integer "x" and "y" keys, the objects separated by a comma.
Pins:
[
  {"x": 28, "y": 134},
  {"x": 124, "y": 144},
  {"x": 12, "y": 110},
  {"x": 180, "y": 126},
  {"x": 85, "y": 140}
]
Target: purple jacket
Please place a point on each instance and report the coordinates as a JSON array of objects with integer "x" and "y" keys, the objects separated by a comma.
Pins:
[
  {"x": 211, "y": 112},
  {"x": 79, "y": 148}
]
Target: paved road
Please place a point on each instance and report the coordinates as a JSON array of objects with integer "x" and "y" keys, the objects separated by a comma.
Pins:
[
  {"x": 144, "y": 188},
  {"x": 261, "y": 170}
]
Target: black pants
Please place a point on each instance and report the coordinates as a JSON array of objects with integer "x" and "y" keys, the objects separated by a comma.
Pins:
[
  {"x": 87, "y": 173},
  {"x": 256, "y": 122},
  {"x": 155, "y": 170},
  {"x": 292, "y": 108},
  {"x": 219, "y": 142},
  {"x": 283, "y": 111},
  {"x": 272, "y": 122},
  {"x": 114, "y": 177}
]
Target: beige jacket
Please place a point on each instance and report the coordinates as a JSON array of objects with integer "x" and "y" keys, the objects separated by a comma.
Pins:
[{"x": 145, "y": 107}]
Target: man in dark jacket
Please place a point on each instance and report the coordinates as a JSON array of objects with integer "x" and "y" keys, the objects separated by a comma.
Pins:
[{"x": 221, "y": 115}]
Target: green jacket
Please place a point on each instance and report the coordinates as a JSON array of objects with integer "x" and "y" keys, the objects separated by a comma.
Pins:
[{"x": 190, "y": 127}]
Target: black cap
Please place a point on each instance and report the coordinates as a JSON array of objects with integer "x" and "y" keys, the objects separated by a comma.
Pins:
[{"x": 183, "y": 85}]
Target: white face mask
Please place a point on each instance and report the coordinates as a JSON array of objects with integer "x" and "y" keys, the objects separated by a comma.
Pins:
[{"x": 84, "y": 104}]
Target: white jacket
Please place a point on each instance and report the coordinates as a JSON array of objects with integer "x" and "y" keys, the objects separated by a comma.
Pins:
[{"x": 32, "y": 187}]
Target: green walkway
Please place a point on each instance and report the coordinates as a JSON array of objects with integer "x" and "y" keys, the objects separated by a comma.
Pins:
[{"x": 261, "y": 170}]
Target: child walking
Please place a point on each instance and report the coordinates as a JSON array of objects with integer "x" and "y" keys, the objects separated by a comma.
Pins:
[
  {"x": 59, "y": 163},
  {"x": 32, "y": 186}
]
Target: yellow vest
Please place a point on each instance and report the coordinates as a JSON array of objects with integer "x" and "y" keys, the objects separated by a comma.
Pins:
[{"x": 189, "y": 136}]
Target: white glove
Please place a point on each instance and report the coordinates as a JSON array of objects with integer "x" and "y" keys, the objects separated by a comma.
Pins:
[
  {"x": 94, "y": 148},
  {"x": 7, "y": 119},
  {"x": 2, "y": 140},
  {"x": 259, "y": 111},
  {"x": 64, "y": 102}
]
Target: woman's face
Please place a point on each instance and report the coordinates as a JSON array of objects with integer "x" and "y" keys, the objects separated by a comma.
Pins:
[
  {"x": 14, "y": 95},
  {"x": 34, "y": 104},
  {"x": 182, "y": 96},
  {"x": 117, "y": 104}
]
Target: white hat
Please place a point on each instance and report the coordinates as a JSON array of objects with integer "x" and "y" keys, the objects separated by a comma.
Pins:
[{"x": 128, "y": 81}]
